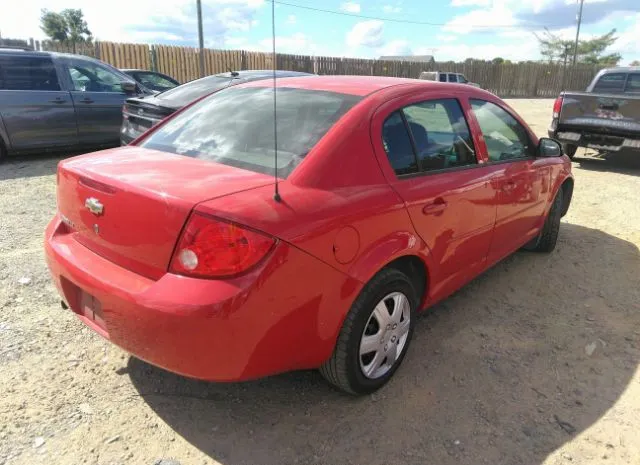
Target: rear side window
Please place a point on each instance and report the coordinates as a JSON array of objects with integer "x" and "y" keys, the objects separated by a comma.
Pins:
[
  {"x": 612, "y": 82},
  {"x": 633, "y": 83},
  {"x": 28, "y": 73},
  {"x": 397, "y": 144},
  {"x": 443, "y": 77},
  {"x": 428, "y": 136}
]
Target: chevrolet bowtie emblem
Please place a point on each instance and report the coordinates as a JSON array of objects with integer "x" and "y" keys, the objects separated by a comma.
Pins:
[{"x": 94, "y": 206}]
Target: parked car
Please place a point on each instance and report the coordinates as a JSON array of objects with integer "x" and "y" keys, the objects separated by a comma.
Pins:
[
  {"x": 391, "y": 194},
  {"x": 53, "y": 101},
  {"x": 154, "y": 81},
  {"x": 440, "y": 76},
  {"x": 606, "y": 117},
  {"x": 139, "y": 114}
]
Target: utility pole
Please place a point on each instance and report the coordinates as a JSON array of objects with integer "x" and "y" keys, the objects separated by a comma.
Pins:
[
  {"x": 200, "y": 37},
  {"x": 575, "y": 50}
]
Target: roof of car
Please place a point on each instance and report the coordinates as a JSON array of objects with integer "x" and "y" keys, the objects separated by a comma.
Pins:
[{"x": 354, "y": 85}]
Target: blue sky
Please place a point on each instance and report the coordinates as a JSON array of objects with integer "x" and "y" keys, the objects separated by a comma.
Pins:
[{"x": 459, "y": 28}]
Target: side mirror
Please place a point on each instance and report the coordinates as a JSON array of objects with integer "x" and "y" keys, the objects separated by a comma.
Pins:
[
  {"x": 549, "y": 148},
  {"x": 128, "y": 87}
]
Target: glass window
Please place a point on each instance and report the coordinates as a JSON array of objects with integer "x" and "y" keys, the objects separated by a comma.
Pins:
[
  {"x": 633, "y": 83},
  {"x": 462, "y": 79},
  {"x": 453, "y": 78},
  {"x": 443, "y": 77},
  {"x": 441, "y": 134},
  {"x": 235, "y": 127},
  {"x": 397, "y": 144},
  {"x": 28, "y": 73},
  {"x": 612, "y": 82},
  {"x": 190, "y": 91},
  {"x": 154, "y": 81},
  {"x": 87, "y": 76},
  {"x": 506, "y": 139}
]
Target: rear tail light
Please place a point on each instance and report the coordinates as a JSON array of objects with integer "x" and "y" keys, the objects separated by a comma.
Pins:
[
  {"x": 211, "y": 248},
  {"x": 557, "y": 106}
]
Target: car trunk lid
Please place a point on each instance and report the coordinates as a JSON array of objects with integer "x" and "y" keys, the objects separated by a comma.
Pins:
[{"x": 130, "y": 204}]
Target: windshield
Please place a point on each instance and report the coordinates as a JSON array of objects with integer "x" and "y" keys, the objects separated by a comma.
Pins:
[
  {"x": 235, "y": 127},
  {"x": 187, "y": 93}
]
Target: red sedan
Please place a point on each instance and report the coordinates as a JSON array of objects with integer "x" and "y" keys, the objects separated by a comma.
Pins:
[{"x": 393, "y": 193}]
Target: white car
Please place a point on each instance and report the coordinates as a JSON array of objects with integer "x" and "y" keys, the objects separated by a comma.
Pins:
[{"x": 446, "y": 77}]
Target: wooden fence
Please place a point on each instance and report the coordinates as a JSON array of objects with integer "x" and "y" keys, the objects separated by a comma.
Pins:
[{"x": 529, "y": 79}]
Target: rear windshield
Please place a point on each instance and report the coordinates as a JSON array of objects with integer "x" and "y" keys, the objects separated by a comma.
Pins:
[
  {"x": 182, "y": 95},
  {"x": 235, "y": 127}
]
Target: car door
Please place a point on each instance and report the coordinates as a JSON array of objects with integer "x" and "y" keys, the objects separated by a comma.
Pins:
[
  {"x": 98, "y": 98},
  {"x": 36, "y": 111},
  {"x": 431, "y": 163},
  {"x": 522, "y": 183}
]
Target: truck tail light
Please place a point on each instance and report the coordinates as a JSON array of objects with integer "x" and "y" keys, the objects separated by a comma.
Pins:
[
  {"x": 213, "y": 248},
  {"x": 557, "y": 106}
]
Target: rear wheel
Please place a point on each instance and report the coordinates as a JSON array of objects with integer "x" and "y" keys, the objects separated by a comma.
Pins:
[
  {"x": 375, "y": 335},
  {"x": 548, "y": 237},
  {"x": 569, "y": 150}
]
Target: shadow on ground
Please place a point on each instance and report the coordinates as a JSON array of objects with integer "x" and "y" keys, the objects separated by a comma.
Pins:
[
  {"x": 624, "y": 162},
  {"x": 498, "y": 374}
]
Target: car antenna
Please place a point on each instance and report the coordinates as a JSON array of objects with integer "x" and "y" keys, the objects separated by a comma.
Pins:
[{"x": 276, "y": 193}]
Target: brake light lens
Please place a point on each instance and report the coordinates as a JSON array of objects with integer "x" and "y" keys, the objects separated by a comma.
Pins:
[
  {"x": 211, "y": 248},
  {"x": 557, "y": 106}
]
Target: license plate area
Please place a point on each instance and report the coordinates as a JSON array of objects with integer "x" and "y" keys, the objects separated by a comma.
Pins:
[{"x": 85, "y": 305}]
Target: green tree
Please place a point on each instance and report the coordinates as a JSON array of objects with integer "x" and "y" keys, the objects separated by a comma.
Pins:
[
  {"x": 67, "y": 26},
  {"x": 591, "y": 51},
  {"x": 497, "y": 61},
  {"x": 635, "y": 63}
]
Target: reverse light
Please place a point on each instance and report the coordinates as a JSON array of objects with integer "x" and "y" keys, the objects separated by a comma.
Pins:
[
  {"x": 212, "y": 248},
  {"x": 557, "y": 106}
]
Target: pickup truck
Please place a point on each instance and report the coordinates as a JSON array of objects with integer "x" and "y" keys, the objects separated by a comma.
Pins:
[
  {"x": 606, "y": 117},
  {"x": 54, "y": 101}
]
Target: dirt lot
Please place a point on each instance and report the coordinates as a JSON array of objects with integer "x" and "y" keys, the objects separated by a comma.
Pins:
[{"x": 534, "y": 362}]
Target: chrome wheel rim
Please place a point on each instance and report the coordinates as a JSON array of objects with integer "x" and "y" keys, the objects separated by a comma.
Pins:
[{"x": 384, "y": 335}]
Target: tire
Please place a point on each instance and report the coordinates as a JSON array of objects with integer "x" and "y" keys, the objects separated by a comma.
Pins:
[
  {"x": 348, "y": 367},
  {"x": 546, "y": 241},
  {"x": 569, "y": 150}
]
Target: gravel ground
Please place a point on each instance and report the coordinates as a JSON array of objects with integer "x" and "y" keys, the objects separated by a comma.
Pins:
[{"x": 535, "y": 362}]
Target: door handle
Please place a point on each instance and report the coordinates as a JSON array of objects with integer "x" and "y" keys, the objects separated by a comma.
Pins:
[
  {"x": 57, "y": 100},
  {"x": 86, "y": 100},
  {"x": 436, "y": 207}
]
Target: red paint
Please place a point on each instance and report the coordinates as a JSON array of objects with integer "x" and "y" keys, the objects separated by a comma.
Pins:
[{"x": 344, "y": 215}]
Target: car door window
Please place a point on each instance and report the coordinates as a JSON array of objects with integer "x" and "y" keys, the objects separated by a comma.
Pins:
[
  {"x": 91, "y": 77},
  {"x": 453, "y": 78},
  {"x": 462, "y": 79},
  {"x": 441, "y": 135},
  {"x": 612, "y": 82},
  {"x": 397, "y": 145},
  {"x": 154, "y": 81},
  {"x": 633, "y": 84},
  {"x": 28, "y": 73},
  {"x": 443, "y": 77},
  {"x": 505, "y": 137}
]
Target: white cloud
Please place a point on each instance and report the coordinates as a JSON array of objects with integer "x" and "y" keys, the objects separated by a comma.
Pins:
[
  {"x": 481, "y": 20},
  {"x": 291, "y": 19},
  {"x": 168, "y": 22},
  {"x": 446, "y": 37},
  {"x": 396, "y": 47},
  {"x": 350, "y": 7},
  {"x": 391, "y": 9},
  {"x": 366, "y": 33}
]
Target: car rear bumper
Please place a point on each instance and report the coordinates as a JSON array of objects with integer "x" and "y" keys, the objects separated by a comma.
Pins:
[
  {"x": 282, "y": 316},
  {"x": 595, "y": 140}
]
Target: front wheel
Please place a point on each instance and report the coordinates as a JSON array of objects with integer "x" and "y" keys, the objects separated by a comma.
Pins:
[
  {"x": 548, "y": 237},
  {"x": 569, "y": 150},
  {"x": 375, "y": 335}
]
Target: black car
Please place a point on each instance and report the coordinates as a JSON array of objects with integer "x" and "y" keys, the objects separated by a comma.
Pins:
[
  {"x": 152, "y": 80},
  {"x": 139, "y": 114}
]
